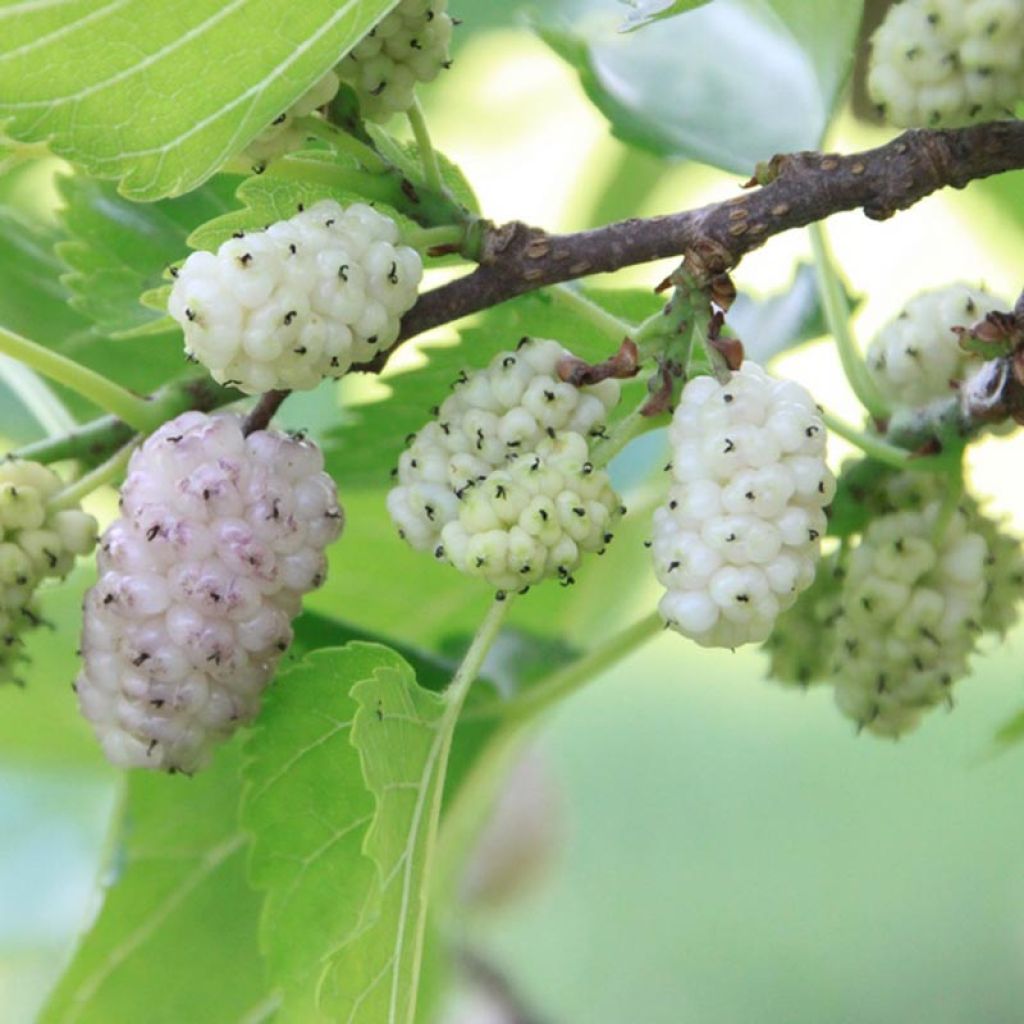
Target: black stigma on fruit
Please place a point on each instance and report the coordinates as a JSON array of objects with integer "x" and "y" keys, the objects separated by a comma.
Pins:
[
  {"x": 513, "y": 444},
  {"x": 290, "y": 316},
  {"x": 535, "y": 465},
  {"x": 379, "y": 89},
  {"x": 415, "y": 44},
  {"x": 301, "y": 207},
  {"x": 729, "y": 447},
  {"x": 479, "y": 439},
  {"x": 525, "y": 569},
  {"x": 608, "y": 538},
  {"x": 479, "y": 562},
  {"x": 293, "y": 248},
  {"x": 245, "y": 259},
  {"x": 329, "y": 223},
  {"x": 500, "y": 491},
  {"x": 334, "y": 361},
  {"x": 446, "y": 64},
  {"x": 522, "y": 341},
  {"x": 551, "y": 432},
  {"x": 238, "y": 234},
  {"x": 549, "y": 395},
  {"x": 151, "y": 747},
  {"x": 813, "y": 534},
  {"x": 673, "y": 504},
  {"x": 730, "y": 538},
  {"x": 343, "y": 271},
  {"x": 281, "y": 645},
  {"x": 672, "y": 566},
  {"x": 587, "y": 468},
  {"x": 173, "y": 271},
  {"x": 175, "y": 439},
  {"x": 581, "y": 512},
  {"x": 439, "y": 551},
  {"x": 508, "y": 361},
  {"x": 280, "y": 119},
  {"x": 429, "y": 509},
  {"x": 749, "y": 496},
  {"x": 727, "y": 398},
  {"x": 301, "y": 350},
  {"x": 543, "y": 514},
  {"x": 372, "y": 339},
  {"x": 140, "y": 659},
  {"x": 446, "y": 428},
  {"x": 152, "y": 531},
  {"x": 190, "y": 315},
  {"x": 743, "y": 598},
  {"x": 393, "y": 273}
]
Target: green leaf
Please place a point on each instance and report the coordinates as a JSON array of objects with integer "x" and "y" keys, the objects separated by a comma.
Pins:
[
  {"x": 176, "y": 938},
  {"x": 160, "y": 95},
  {"x": 267, "y": 198},
  {"x": 647, "y": 11},
  {"x": 1011, "y": 732},
  {"x": 402, "y": 733},
  {"x": 308, "y": 811},
  {"x": 117, "y": 249},
  {"x": 678, "y": 92},
  {"x": 362, "y": 451}
]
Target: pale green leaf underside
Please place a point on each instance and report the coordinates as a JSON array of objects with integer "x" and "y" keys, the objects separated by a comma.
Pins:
[
  {"x": 160, "y": 94},
  {"x": 647, "y": 11},
  {"x": 402, "y": 733},
  {"x": 154, "y": 954},
  {"x": 308, "y": 810}
]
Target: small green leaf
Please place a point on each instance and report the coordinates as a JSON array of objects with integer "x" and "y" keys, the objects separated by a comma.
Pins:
[
  {"x": 117, "y": 249},
  {"x": 308, "y": 811},
  {"x": 1011, "y": 732},
  {"x": 678, "y": 92},
  {"x": 402, "y": 733},
  {"x": 646, "y": 12},
  {"x": 176, "y": 938},
  {"x": 160, "y": 95},
  {"x": 381, "y": 427}
]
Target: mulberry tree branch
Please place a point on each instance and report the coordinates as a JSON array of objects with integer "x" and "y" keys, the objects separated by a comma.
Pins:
[{"x": 795, "y": 190}]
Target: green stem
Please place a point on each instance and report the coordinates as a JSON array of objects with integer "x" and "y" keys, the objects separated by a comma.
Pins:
[
  {"x": 80, "y": 379},
  {"x": 95, "y": 442},
  {"x": 879, "y": 450},
  {"x": 105, "y": 473},
  {"x": 837, "y": 315},
  {"x": 342, "y": 142},
  {"x": 572, "y": 299},
  {"x": 634, "y": 424},
  {"x": 428, "y": 157},
  {"x": 426, "y": 238},
  {"x": 568, "y": 680},
  {"x": 454, "y": 697}
]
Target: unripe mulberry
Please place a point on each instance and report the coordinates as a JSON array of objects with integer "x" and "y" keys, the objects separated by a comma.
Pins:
[
  {"x": 220, "y": 535},
  {"x": 917, "y": 356},
  {"x": 501, "y": 484},
  {"x": 740, "y": 535},
  {"x": 913, "y": 606},
  {"x": 802, "y": 640},
  {"x": 939, "y": 63},
  {"x": 300, "y": 301},
  {"x": 283, "y": 135},
  {"x": 38, "y": 541},
  {"x": 408, "y": 46}
]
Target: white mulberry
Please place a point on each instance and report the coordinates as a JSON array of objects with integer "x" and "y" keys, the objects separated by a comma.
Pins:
[
  {"x": 282, "y": 135},
  {"x": 740, "y": 535},
  {"x": 938, "y": 63},
  {"x": 408, "y": 46},
  {"x": 300, "y": 301},
  {"x": 220, "y": 535},
  {"x": 501, "y": 484},
  {"x": 38, "y": 540},
  {"x": 913, "y": 606},
  {"x": 917, "y": 356}
]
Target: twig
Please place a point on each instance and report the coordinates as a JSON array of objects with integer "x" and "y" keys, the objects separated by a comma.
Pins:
[
  {"x": 263, "y": 411},
  {"x": 799, "y": 189}
]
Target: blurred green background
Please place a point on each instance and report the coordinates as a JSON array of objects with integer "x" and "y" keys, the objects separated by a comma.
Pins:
[{"x": 729, "y": 851}]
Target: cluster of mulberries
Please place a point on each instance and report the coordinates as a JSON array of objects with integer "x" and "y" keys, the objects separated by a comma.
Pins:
[
  {"x": 220, "y": 535},
  {"x": 37, "y": 541},
  {"x": 300, "y": 301},
  {"x": 501, "y": 484},
  {"x": 892, "y": 619},
  {"x": 408, "y": 46},
  {"x": 740, "y": 535},
  {"x": 283, "y": 135},
  {"x": 939, "y": 63},
  {"x": 912, "y": 610},
  {"x": 917, "y": 356}
]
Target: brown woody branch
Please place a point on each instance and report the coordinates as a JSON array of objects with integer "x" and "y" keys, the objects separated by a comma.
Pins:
[{"x": 799, "y": 189}]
